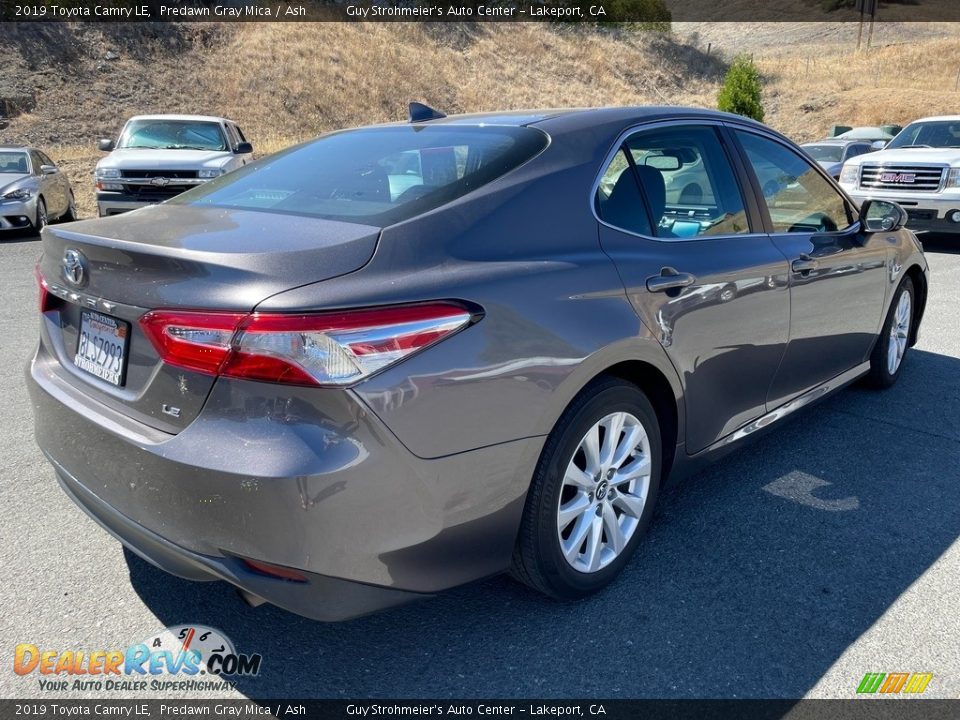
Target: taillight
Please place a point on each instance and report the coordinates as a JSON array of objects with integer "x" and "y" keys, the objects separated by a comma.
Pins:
[
  {"x": 336, "y": 348},
  {"x": 278, "y": 572},
  {"x": 198, "y": 341},
  {"x": 44, "y": 290}
]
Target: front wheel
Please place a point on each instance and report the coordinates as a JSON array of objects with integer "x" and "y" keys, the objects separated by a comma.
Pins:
[
  {"x": 593, "y": 492},
  {"x": 886, "y": 360},
  {"x": 71, "y": 214},
  {"x": 41, "y": 220}
]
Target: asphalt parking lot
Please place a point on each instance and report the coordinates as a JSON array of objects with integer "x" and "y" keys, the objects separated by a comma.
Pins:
[{"x": 827, "y": 550}]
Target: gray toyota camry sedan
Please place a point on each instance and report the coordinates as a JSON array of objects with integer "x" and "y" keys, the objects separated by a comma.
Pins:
[{"x": 399, "y": 358}]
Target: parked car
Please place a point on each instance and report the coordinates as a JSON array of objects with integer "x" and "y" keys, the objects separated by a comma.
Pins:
[
  {"x": 920, "y": 169},
  {"x": 338, "y": 395},
  {"x": 33, "y": 190},
  {"x": 877, "y": 136},
  {"x": 831, "y": 154},
  {"x": 159, "y": 156}
]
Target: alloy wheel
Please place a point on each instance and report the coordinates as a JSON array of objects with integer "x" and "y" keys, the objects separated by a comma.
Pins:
[
  {"x": 899, "y": 334},
  {"x": 604, "y": 492}
]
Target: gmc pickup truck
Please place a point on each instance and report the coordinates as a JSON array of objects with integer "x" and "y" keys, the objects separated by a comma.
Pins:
[
  {"x": 919, "y": 169},
  {"x": 159, "y": 156}
]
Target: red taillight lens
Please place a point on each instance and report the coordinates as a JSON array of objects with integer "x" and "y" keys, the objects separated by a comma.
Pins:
[
  {"x": 275, "y": 571},
  {"x": 198, "y": 341},
  {"x": 44, "y": 290},
  {"x": 336, "y": 348}
]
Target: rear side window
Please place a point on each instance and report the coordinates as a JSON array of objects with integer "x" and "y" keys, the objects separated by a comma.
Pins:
[
  {"x": 375, "y": 176},
  {"x": 682, "y": 181},
  {"x": 619, "y": 201}
]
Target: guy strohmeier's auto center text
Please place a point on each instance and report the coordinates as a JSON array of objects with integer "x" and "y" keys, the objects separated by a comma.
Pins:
[{"x": 292, "y": 11}]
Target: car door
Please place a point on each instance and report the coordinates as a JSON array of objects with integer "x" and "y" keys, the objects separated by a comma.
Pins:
[
  {"x": 709, "y": 284},
  {"x": 49, "y": 188},
  {"x": 837, "y": 272}
]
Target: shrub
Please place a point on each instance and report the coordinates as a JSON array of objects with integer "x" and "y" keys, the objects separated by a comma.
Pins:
[{"x": 741, "y": 89}]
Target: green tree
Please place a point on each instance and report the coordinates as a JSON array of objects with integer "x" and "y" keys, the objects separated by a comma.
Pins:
[{"x": 741, "y": 89}]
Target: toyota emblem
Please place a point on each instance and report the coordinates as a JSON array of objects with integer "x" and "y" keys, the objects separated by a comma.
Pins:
[{"x": 74, "y": 267}]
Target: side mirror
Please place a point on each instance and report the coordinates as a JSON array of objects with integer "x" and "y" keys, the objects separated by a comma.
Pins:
[
  {"x": 49, "y": 169},
  {"x": 243, "y": 148},
  {"x": 878, "y": 144},
  {"x": 106, "y": 145},
  {"x": 882, "y": 216}
]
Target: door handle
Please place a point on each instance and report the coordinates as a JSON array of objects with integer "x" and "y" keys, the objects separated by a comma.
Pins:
[
  {"x": 804, "y": 264},
  {"x": 669, "y": 279}
]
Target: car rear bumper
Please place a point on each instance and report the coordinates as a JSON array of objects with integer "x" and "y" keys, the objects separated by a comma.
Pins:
[
  {"x": 300, "y": 478},
  {"x": 320, "y": 598}
]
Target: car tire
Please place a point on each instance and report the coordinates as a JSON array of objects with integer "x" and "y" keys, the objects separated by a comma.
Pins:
[
  {"x": 550, "y": 555},
  {"x": 886, "y": 360},
  {"x": 41, "y": 220},
  {"x": 71, "y": 214}
]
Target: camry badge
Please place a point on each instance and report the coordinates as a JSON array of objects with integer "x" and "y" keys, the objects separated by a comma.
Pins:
[{"x": 74, "y": 267}]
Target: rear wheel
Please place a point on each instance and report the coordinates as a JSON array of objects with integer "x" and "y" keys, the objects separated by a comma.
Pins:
[
  {"x": 888, "y": 354},
  {"x": 593, "y": 492}
]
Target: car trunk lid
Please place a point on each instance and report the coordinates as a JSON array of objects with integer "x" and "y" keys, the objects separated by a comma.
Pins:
[{"x": 177, "y": 257}]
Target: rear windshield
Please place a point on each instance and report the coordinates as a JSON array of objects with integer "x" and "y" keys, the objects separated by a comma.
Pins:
[{"x": 375, "y": 176}]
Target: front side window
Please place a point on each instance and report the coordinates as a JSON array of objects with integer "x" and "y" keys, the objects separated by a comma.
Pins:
[
  {"x": 686, "y": 185},
  {"x": 798, "y": 197},
  {"x": 166, "y": 134},
  {"x": 36, "y": 162},
  {"x": 374, "y": 176}
]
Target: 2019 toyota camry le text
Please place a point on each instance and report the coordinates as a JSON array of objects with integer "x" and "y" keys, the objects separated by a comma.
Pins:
[{"x": 400, "y": 358}]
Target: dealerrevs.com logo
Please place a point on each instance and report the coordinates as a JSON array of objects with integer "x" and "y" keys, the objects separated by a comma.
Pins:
[{"x": 174, "y": 659}]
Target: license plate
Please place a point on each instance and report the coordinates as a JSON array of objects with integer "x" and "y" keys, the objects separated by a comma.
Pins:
[{"x": 102, "y": 347}]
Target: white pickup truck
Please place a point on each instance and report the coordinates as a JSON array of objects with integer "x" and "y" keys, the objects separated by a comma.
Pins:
[
  {"x": 919, "y": 169},
  {"x": 159, "y": 156}
]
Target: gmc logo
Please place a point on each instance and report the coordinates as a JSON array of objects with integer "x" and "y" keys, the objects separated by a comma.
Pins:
[{"x": 898, "y": 178}]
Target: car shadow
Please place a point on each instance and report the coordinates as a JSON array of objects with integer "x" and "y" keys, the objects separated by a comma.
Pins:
[
  {"x": 940, "y": 243},
  {"x": 756, "y": 575}
]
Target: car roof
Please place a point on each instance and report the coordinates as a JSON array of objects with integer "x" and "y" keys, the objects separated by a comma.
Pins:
[
  {"x": 837, "y": 141},
  {"x": 937, "y": 118},
  {"x": 586, "y": 116},
  {"x": 15, "y": 148},
  {"x": 194, "y": 118}
]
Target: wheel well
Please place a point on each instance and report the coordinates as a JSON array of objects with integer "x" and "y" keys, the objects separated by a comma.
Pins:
[
  {"x": 658, "y": 390},
  {"x": 920, "y": 296}
]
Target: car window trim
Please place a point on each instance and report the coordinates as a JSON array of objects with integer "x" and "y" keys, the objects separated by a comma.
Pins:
[
  {"x": 852, "y": 207},
  {"x": 753, "y": 220}
]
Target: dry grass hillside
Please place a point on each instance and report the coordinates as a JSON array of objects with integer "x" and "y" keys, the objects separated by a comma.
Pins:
[{"x": 74, "y": 83}]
